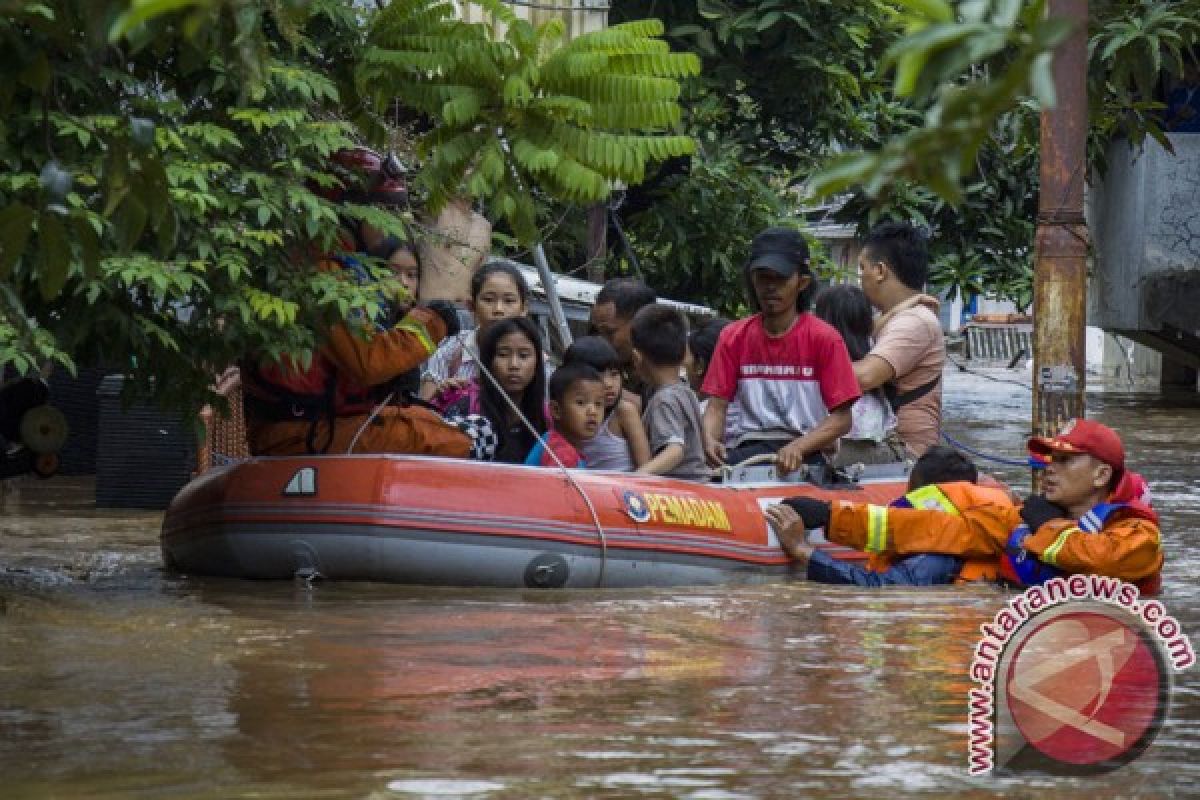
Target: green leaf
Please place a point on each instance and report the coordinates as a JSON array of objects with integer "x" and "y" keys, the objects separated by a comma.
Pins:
[
  {"x": 130, "y": 222},
  {"x": 54, "y": 252},
  {"x": 37, "y": 74},
  {"x": 1041, "y": 80},
  {"x": 89, "y": 245},
  {"x": 934, "y": 10},
  {"x": 142, "y": 11},
  {"x": 841, "y": 173},
  {"x": 16, "y": 223},
  {"x": 768, "y": 19}
]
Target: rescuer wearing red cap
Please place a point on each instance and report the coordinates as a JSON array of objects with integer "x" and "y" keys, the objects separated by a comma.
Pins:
[
  {"x": 1093, "y": 518},
  {"x": 355, "y": 395}
]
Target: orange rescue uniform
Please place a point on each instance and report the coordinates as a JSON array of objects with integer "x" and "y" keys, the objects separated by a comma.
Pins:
[
  {"x": 946, "y": 498},
  {"x": 1127, "y": 547},
  {"x": 362, "y": 359}
]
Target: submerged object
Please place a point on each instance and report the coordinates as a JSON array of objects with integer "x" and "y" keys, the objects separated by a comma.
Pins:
[{"x": 449, "y": 522}]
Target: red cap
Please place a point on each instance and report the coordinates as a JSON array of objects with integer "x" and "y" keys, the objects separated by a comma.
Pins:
[{"x": 1083, "y": 436}]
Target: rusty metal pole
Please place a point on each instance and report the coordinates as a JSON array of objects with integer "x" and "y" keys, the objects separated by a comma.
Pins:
[{"x": 1061, "y": 247}]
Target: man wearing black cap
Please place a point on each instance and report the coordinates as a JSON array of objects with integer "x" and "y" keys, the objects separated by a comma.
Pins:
[{"x": 789, "y": 371}]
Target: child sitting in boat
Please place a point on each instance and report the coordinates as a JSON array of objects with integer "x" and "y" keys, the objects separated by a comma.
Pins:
[
  {"x": 577, "y": 408},
  {"x": 498, "y": 291},
  {"x": 512, "y": 350},
  {"x": 620, "y": 444},
  {"x": 672, "y": 414},
  {"x": 872, "y": 438}
]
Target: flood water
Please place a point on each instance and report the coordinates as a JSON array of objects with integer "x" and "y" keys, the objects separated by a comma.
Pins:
[{"x": 117, "y": 680}]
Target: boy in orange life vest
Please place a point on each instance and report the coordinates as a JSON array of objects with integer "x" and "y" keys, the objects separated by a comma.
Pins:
[
  {"x": 360, "y": 366},
  {"x": 941, "y": 479},
  {"x": 1092, "y": 519}
]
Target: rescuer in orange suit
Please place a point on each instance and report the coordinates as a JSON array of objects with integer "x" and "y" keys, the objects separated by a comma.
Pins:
[
  {"x": 358, "y": 392},
  {"x": 941, "y": 479},
  {"x": 1094, "y": 518}
]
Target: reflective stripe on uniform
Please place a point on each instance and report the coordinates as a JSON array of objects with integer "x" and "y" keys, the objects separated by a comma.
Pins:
[
  {"x": 420, "y": 331},
  {"x": 1050, "y": 554},
  {"x": 877, "y": 524},
  {"x": 932, "y": 498}
]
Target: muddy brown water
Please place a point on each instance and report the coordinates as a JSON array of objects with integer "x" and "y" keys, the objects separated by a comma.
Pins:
[{"x": 117, "y": 680}]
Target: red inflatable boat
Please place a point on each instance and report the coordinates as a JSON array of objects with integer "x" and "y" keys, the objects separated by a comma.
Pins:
[{"x": 421, "y": 520}]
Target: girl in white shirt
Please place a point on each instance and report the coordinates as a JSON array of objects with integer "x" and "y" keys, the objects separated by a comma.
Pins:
[{"x": 872, "y": 438}]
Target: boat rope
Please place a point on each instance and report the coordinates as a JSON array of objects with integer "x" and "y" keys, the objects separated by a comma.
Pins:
[
  {"x": 1009, "y": 462},
  {"x": 547, "y": 449},
  {"x": 370, "y": 418}
]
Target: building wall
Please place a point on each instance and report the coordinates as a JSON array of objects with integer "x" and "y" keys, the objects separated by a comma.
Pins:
[{"x": 586, "y": 16}]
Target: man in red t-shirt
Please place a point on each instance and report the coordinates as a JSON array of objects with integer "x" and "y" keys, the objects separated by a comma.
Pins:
[{"x": 789, "y": 371}]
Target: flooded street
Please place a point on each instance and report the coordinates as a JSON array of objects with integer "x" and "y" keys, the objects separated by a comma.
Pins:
[{"x": 117, "y": 680}]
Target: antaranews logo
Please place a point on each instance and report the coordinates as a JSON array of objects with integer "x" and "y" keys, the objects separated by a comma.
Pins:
[{"x": 1074, "y": 677}]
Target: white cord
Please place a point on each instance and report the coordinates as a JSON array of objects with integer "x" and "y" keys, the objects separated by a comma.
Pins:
[
  {"x": 566, "y": 472},
  {"x": 370, "y": 418}
]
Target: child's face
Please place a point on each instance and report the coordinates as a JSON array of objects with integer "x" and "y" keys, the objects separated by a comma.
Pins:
[
  {"x": 498, "y": 299},
  {"x": 514, "y": 363},
  {"x": 404, "y": 267},
  {"x": 579, "y": 414},
  {"x": 612, "y": 386}
]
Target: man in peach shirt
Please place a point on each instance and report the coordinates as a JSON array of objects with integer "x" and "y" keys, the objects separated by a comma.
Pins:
[{"x": 909, "y": 351}]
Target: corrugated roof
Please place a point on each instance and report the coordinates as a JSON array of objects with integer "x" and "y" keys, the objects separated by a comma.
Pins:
[{"x": 576, "y": 290}]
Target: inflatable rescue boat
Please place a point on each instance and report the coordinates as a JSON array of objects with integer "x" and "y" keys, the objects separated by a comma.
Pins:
[{"x": 446, "y": 522}]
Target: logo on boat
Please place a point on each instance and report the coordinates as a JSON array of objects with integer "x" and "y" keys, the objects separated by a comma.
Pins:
[
  {"x": 674, "y": 509},
  {"x": 302, "y": 484},
  {"x": 636, "y": 508}
]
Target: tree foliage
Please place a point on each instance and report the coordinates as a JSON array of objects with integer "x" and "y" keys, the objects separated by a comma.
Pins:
[
  {"x": 968, "y": 65},
  {"x": 514, "y": 107},
  {"x": 940, "y": 124},
  {"x": 158, "y": 211},
  {"x": 963, "y": 70},
  {"x": 695, "y": 225},
  {"x": 805, "y": 67}
]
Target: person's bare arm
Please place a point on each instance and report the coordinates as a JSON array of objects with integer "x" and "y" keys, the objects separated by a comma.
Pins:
[
  {"x": 667, "y": 459},
  {"x": 828, "y": 431},
  {"x": 714, "y": 430},
  {"x": 872, "y": 372},
  {"x": 631, "y": 428}
]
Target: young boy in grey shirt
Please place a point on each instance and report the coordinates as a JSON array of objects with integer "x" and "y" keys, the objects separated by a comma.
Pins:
[{"x": 672, "y": 415}]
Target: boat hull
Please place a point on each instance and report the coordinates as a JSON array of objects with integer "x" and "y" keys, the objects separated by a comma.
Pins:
[{"x": 430, "y": 521}]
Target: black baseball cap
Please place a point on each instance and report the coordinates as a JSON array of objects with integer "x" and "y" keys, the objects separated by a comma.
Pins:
[{"x": 781, "y": 250}]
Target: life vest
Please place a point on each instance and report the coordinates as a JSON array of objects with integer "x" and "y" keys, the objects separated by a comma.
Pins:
[
  {"x": 937, "y": 498},
  {"x": 1020, "y": 568},
  {"x": 287, "y": 392}
]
